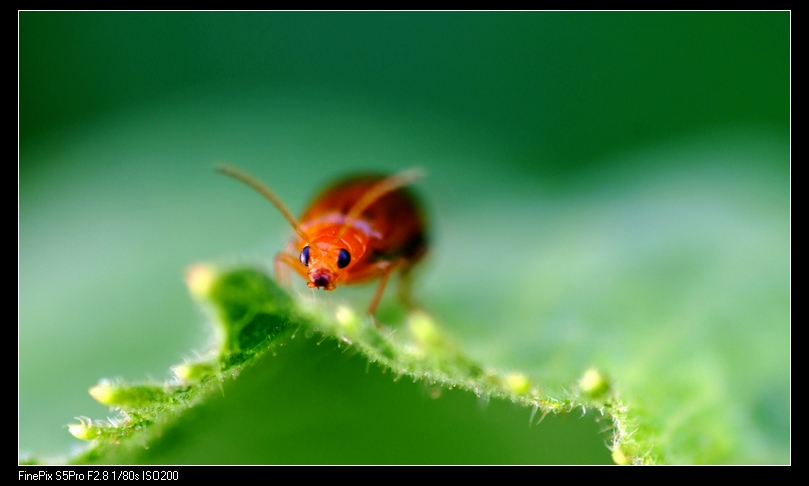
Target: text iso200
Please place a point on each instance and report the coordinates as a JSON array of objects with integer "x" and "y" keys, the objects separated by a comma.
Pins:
[{"x": 161, "y": 475}]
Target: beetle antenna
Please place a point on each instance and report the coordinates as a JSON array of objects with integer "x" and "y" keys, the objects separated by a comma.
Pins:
[
  {"x": 389, "y": 184},
  {"x": 265, "y": 191}
]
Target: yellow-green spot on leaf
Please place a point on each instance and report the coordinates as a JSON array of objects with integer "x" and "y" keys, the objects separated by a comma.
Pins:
[
  {"x": 200, "y": 279},
  {"x": 347, "y": 319},
  {"x": 82, "y": 430},
  {"x": 593, "y": 383},
  {"x": 127, "y": 396},
  {"x": 194, "y": 371},
  {"x": 103, "y": 394},
  {"x": 518, "y": 383},
  {"x": 424, "y": 330},
  {"x": 619, "y": 457}
]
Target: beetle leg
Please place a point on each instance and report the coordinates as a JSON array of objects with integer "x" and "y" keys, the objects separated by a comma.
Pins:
[
  {"x": 282, "y": 271},
  {"x": 383, "y": 281},
  {"x": 405, "y": 287}
]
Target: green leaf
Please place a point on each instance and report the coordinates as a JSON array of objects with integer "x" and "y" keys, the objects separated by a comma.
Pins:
[{"x": 255, "y": 317}]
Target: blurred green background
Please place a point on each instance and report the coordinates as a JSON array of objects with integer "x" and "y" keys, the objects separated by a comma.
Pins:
[{"x": 598, "y": 183}]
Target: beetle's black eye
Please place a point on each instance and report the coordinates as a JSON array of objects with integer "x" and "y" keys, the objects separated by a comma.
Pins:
[
  {"x": 343, "y": 259},
  {"x": 305, "y": 256}
]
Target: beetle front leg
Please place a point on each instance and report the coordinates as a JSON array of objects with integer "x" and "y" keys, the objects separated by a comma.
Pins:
[{"x": 282, "y": 271}]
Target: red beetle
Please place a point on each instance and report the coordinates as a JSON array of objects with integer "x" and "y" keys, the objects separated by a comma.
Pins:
[{"x": 358, "y": 229}]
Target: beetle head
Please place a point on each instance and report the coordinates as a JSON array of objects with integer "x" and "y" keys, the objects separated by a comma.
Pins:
[{"x": 326, "y": 261}]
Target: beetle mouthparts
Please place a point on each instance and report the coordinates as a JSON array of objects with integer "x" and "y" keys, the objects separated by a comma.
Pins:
[{"x": 321, "y": 280}]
